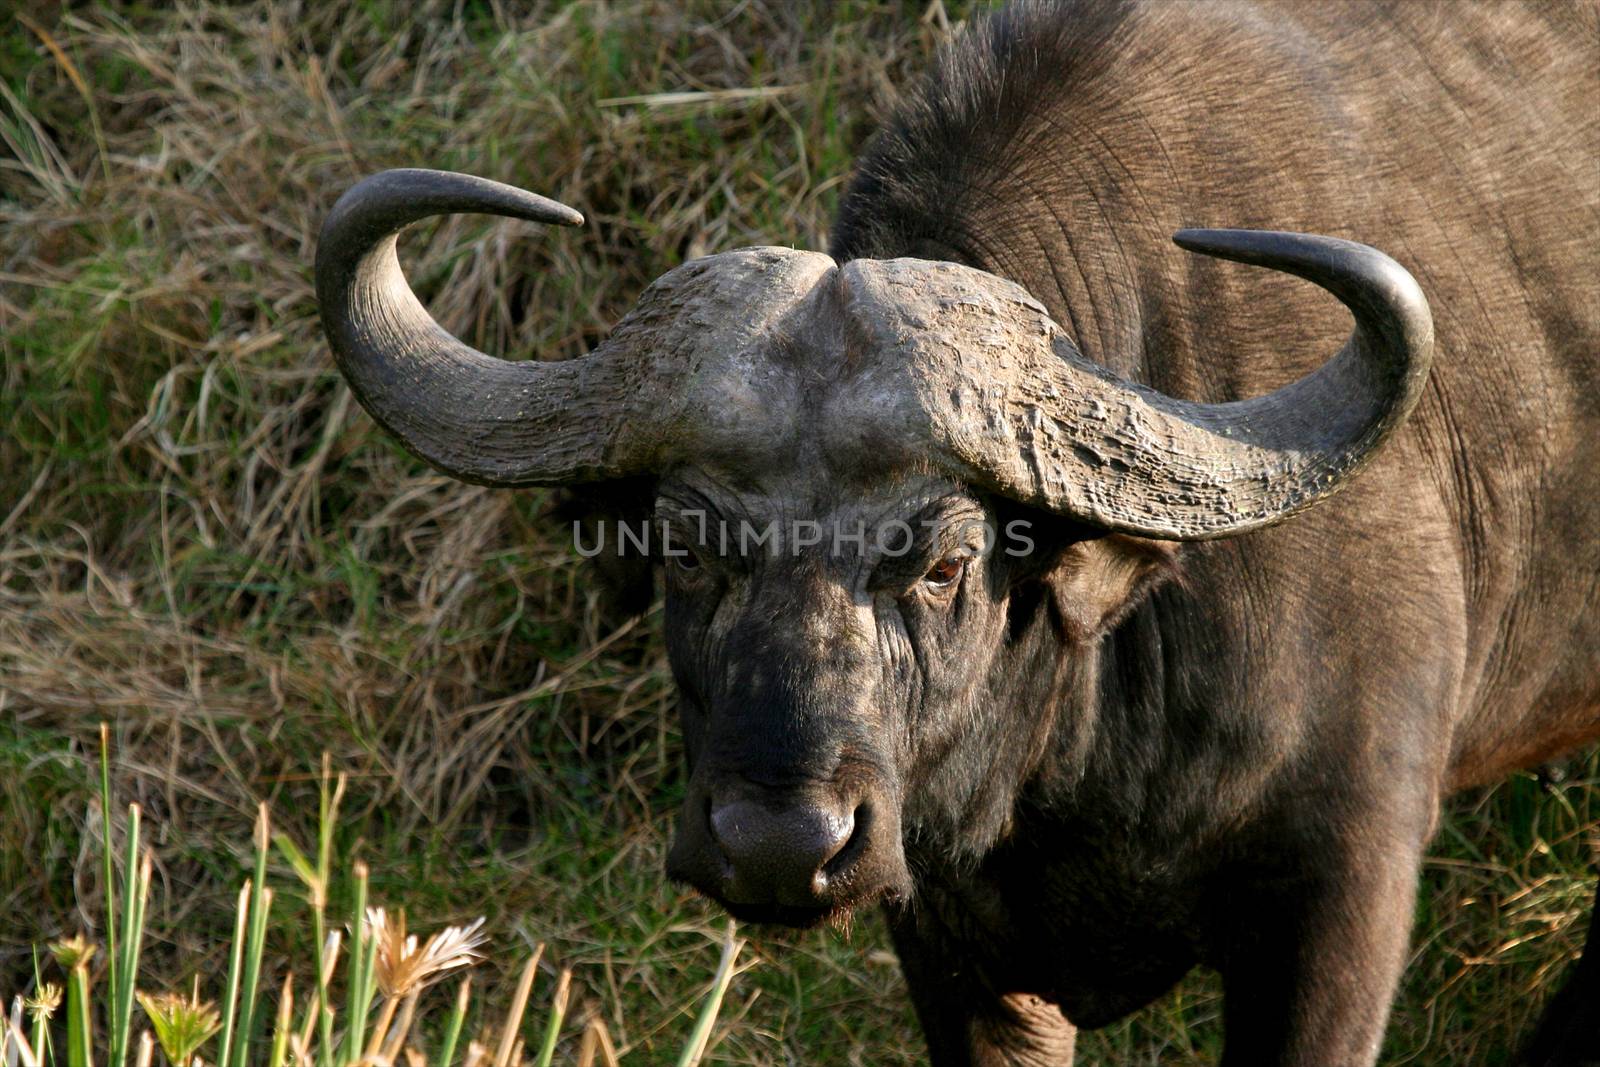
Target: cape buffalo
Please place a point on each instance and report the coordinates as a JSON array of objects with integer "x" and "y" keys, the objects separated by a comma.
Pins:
[{"x": 1173, "y": 728}]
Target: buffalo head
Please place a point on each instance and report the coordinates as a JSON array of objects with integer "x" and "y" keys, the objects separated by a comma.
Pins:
[{"x": 851, "y": 465}]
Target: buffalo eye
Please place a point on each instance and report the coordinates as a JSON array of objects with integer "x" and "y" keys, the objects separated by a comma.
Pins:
[
  {"x": 684, "y": 559},
  {"x": 945, "y": 574}
]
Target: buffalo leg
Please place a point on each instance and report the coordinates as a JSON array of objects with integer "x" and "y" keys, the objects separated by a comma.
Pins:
[
  {"x": 1569, "y": 1033},
  {"x": 1318, "y": 951},
  {"x": 968, "y": 1025}
]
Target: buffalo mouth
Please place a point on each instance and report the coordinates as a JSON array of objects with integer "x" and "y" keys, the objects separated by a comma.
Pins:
[
  {"x": 835, "y": 913},
  {"x": 782, "y": 862}
]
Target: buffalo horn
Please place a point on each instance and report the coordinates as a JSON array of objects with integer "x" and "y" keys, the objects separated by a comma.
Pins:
[{"x": 478, "y": 418}]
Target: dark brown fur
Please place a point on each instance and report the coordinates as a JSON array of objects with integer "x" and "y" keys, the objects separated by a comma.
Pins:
[
  {"x": 1245, "y": 768},
  {"x": 1072, "y": 773}
]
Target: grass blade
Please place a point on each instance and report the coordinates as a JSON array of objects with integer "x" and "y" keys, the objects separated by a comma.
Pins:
[
  {"x": 71, "y": 70},
  {"x": 369, "y": 986},
  {"x": 235, "y": 960},
  {"x": 327, "y": 957},
  {"x": 280, "y": 1032},
  {"x": 79, "y": 1031},
  {"x": 355, "y": 1021},
  {"x": 519, "y": 1005},
  {"x": 260, "y": 905},
  {"x": 124, "y": 969},
  {"x": 458, "y": 1016},
  {"x": 45, "y": 1001},
  {"x": 558, "y": 1012},
  {"x": 107, "y": 874},
  {"x": 327, "y": 818},
  {"x": 41, "y": 1039},
  {"x": 701, "y": 1037}
]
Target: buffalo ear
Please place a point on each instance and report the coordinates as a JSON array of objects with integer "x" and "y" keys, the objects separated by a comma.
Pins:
[
  {"x": 624, "y": 578},
  {"x": 1094, "y": 583}
]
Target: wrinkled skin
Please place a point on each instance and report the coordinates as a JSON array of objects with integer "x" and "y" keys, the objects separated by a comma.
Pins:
[
  {"x": 880, "y": 688},
  {"x": 1116, "y": 758}
]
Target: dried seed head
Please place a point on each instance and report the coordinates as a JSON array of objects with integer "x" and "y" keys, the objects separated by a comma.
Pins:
[
  {"x": 43, "y": 1004},
  {"x": 401, "y": 965}
]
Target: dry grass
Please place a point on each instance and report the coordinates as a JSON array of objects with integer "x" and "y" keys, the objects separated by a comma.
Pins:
[{"x": 203, "y": 538}]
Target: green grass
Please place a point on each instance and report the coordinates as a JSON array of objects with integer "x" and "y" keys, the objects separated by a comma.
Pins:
[
  {"x": 205, "y": 541},
  {"x": 386, "y": 975}
]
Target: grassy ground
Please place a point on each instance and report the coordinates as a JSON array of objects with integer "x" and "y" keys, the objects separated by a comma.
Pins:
[{"x": 204, "y": 540}]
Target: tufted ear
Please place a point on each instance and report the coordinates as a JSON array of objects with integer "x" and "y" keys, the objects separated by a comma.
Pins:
[{"x": 1094, "y": 583}]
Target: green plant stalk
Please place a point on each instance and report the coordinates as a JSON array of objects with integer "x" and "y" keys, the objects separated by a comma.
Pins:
[
  {"x": 252, "y": 976},
  {"x": 316, "y": 897},
  {"x": 260, "y": 905},
  {"x": 319, "y": 999},
  {"x": 369, "y": 988},
  {"x": 452, "y": 1029},
  {"x": 40, "y": 1041},
  {"x": 280, "y": 1045},
  {"x": 79, "y": 1034},
  {"x": 235, "y": 960},
  {"x": 558, "y": 1012},
  {"x": 133, "y": 942},
  {"x": 696, "y": 1048},
  {"x": 124, "y": 968},
  {"x": 355, "y": 980},
  {"x": 327, "y": 813},
  {"x": 309, "y": 1017},
  {"x": 280, "y": 1033},
  {"x": 328, "y": 955},
  {"x": 314, "y": 1000},
  {"x": 108, "y": 876}
]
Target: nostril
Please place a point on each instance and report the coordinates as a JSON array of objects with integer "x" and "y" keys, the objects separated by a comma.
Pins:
[
  {"x": 718, "y": 852},
  {"x": 836, "y": 834},
  {"x": 729, "y": 824},
  {"x": 851, "y": 845},
  {"x": 792, "y": 852}
]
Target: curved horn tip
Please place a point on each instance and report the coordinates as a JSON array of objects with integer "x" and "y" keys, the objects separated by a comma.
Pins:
[
  {"x": 1270, "y": 247},
  {"x": 470, "y": 415},
  {"x": 407, "y": 194},
  {"x": 1282, "y": 248},
  {"x": 1348, "y": 269}
]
